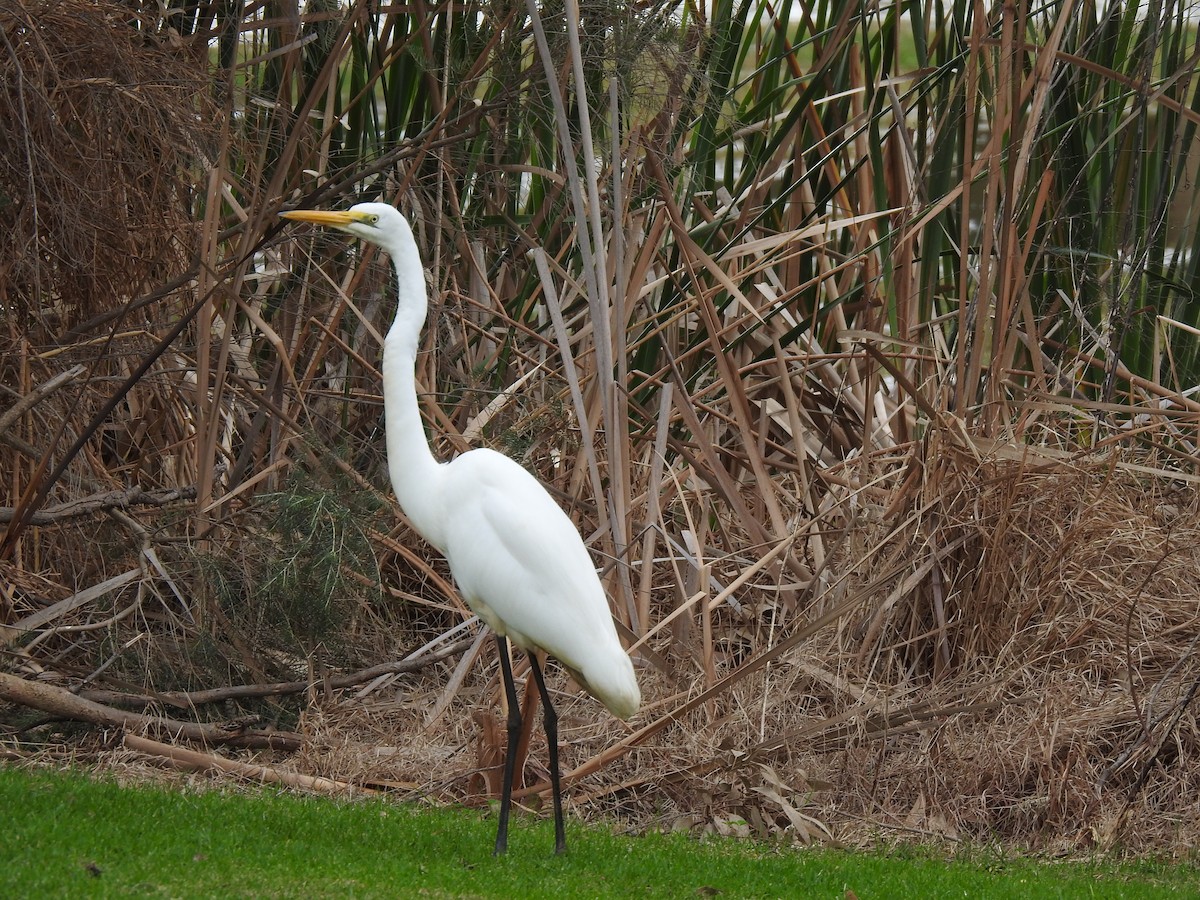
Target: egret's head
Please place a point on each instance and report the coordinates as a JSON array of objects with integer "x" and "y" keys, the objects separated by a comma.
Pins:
[{"x": 378, "y": 223}]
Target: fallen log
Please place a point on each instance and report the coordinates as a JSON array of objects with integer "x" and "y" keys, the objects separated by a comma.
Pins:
[
  {"x": 60, "y": 702},
  {"x": 82, "y": 506},
  {"x": 195, "y": 761}
]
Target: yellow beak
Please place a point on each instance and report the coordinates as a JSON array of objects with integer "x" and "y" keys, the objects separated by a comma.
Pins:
[{"x": 333, "y": 218}]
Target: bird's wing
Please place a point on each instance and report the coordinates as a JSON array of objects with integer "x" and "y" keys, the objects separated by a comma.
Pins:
[{"x": 519, "y": 560}]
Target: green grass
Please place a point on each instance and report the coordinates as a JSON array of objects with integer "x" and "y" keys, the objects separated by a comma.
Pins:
[{"x": 66, "y": 835}]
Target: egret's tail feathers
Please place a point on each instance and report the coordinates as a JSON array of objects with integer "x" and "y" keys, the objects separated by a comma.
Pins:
[{"x": 613, "y": 683}]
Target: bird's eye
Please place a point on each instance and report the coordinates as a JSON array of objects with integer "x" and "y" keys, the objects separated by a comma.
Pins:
[{"x": 374, "y": 220}]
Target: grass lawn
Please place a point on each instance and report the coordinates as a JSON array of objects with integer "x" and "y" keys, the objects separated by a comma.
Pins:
[{"x": 64, "y": 834}]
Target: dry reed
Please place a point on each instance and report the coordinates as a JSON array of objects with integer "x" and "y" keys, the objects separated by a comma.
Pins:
[{"x": 875, "y": 584}]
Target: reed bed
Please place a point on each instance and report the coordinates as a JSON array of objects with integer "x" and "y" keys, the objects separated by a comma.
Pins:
[{"x": 859, "y": 341}]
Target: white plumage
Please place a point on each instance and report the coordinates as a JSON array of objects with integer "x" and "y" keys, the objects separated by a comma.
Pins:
[{"x": 518, "y": 560}]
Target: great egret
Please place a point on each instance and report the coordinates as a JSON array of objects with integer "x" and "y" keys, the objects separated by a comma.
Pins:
[{"x": 518, "y": 560}]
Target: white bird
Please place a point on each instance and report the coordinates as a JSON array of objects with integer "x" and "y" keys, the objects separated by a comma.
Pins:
[{"x": 519, "y": 562}]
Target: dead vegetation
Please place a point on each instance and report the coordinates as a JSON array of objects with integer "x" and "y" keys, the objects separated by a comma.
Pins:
[
  {"x": 861, "y": 608},
  {"x": 104, "y": 131}
]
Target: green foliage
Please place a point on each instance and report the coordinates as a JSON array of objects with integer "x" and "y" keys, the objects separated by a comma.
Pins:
[
  {"x": 109, "y": 840},
  {"x": 320, "y": 539},
  {"x": 295, "y": 588}
]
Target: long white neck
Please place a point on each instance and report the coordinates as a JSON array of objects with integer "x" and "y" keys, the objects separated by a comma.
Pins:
[{"x": 416, "y": 475}]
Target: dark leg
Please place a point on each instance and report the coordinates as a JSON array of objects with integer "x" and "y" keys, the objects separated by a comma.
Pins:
[
  {"x": 560, "y": 835},
  {"x": 510, "y": 754}
]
